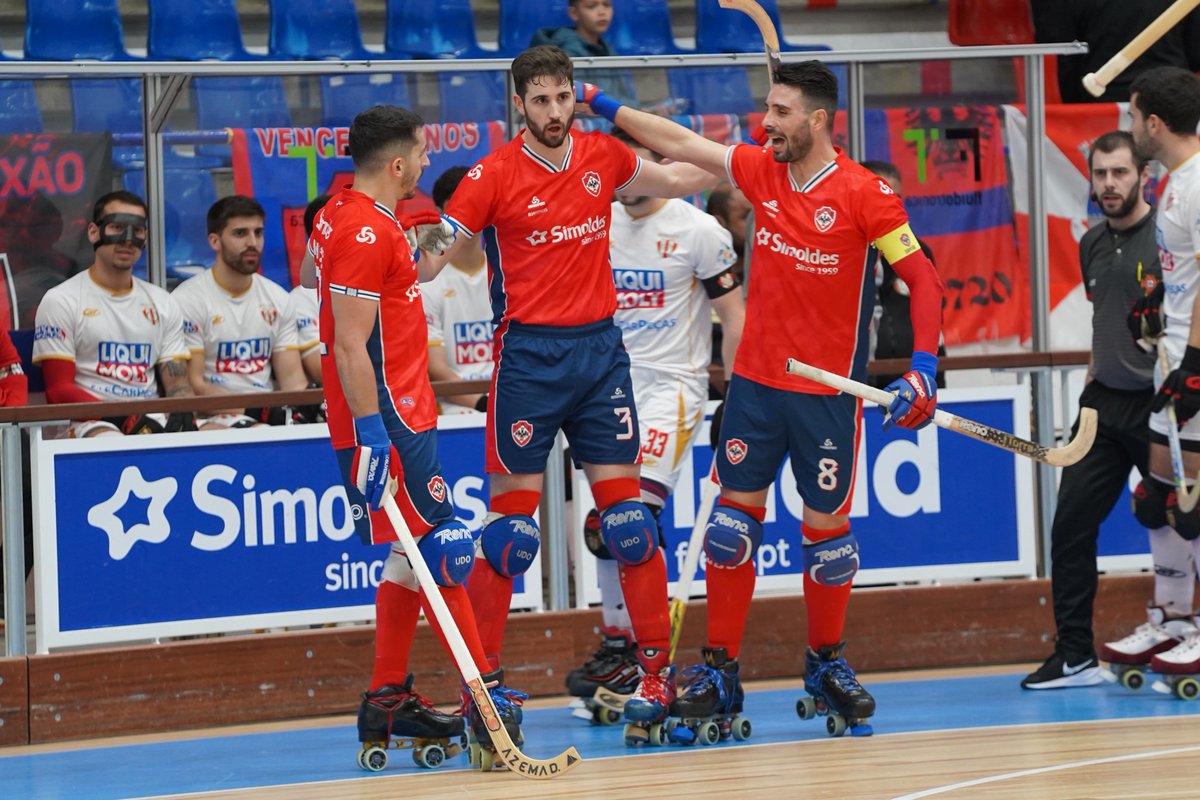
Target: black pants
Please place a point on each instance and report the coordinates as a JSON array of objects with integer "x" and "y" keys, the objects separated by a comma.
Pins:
[{"x": 1087, "y": 493}]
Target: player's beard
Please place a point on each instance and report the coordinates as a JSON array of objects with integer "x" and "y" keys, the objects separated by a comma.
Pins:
[
  {"x": 1127, "y": 204},
  {"x": 243, "y": 263},
  {"x": 539, "y": 131},
  {"x": 795, "y": 148}
]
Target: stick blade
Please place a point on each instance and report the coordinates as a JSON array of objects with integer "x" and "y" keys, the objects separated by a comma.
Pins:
[{"x": 1078, "y": 447}]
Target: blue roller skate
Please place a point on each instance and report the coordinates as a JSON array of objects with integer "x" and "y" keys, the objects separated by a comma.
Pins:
[
  {"x": 835, "y": 693},
  {"x": 710, "y": 708},
  {"x": 397, "y": 718},
  {"x": 647, "y": 707}
]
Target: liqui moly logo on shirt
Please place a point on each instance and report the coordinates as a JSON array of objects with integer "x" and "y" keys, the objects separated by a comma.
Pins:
[
  {"x": 126, "y": 361},
  {"x": 243, "y": 356},
  {"x": 473, "y": 342},
  {"x": 639, "y": 288}
]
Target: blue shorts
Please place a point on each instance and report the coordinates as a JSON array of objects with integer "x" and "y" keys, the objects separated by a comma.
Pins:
[
  {"x": 423, "y": 497},
  {"x": 820, "y": 432},
  {"x": 550, "y": 378}
]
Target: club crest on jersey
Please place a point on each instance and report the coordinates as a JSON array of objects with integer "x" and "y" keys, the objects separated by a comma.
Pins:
[
  {"x": 269, "y": 314},
  {"x": 591, "y": 182},
  {"x": 824, "y": 218},
  {"x": 666, "y": 247},
  {"x": 906, "y": 240},
  {"x": 735, "y": 450},
  {"x": 522, "y": 432},
  {"x": 726, "y": 280},
  {"x": 437, "y": 488},
  {"x": 151, "y": 314}
]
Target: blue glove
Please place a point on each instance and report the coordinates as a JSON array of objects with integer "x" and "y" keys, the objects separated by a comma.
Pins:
[
  {"x": 916, "y": 394},
  {"x": 597, "y": 100},
  {"x": 375, "y": 460}
]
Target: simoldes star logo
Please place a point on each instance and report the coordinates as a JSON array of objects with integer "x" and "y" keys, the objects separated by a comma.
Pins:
[
  {"x": 735, "y": 450},
  {"x": 591, "y": 182},
  {"x": 763, "y": 236},
  {"x": 522, "y": 432},
  {"x": 824, "y": 218},
  {"x": 154, "y": 530},
  {"x": 437, "y": 488},
  {"x": 536, "y": 238}
]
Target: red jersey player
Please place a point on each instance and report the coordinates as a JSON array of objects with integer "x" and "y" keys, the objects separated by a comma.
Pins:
[
  {"x": 810, "y": 297},
  {"x": 560, "y": 363},
  {"x": 382, "y": 419}
]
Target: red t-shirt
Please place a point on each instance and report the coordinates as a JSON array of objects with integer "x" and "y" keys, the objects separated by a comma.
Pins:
[
  {"x": 551, "y": 227},
  {"x": 811, "y": 295},
  {"x": 360, "y": 250}
]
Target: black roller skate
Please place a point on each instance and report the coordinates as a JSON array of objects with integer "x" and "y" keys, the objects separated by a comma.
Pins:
[
  {"x": 480, "y": 748},
  {"x": 650, "y": 704},
  {"x": 835, "y": 693},
  {"x": 710, "y": 708},
  {"x": 604, "y": 683},
  {"x": 396, "y": 717}
]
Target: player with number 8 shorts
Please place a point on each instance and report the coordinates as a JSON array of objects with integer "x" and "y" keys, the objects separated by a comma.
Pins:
[{"x": 810, "y": 298}]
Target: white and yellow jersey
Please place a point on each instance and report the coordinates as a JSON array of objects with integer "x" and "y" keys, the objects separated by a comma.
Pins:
[
  {"x": 458, "y": 313},
  {"x": 308, "y": 315}
]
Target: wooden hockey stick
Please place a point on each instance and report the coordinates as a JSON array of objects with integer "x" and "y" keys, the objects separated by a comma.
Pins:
[
  {"x": 517, "y": 761},
  {"x": 708, "y": 496},
  {"x": 766, "y": 29},
  {"x": 1096, "y": 82},
  {"x": 1186, "y": 500},
  {"x": 1063, "y": 456}
]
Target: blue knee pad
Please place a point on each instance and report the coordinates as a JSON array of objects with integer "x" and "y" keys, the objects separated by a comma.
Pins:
[
  {"x": 510, "y": 544},
  {"x": 630, "y": 532},
  {"x": 732, "y": 537},
  {"x": 832, "y": 562},
  {"x": 449, "y": 552}
]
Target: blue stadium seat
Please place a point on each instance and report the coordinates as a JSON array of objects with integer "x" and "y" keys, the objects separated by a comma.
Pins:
[
  {"x": 68, "y": 30},
  {"x": 19, "y": 112},
  {"x": 189, "y": 194},
  {"x": 520, "y": 18},
  {"x": 240, "y": 102},
  {"x": 445, "y": 29},
  {"x": 722, "y": 30},
  {"x": 343, "y": 96},
  {"x": 642, "y": 28},
  {"x": 713, "y": 90},
  {"x": 473, "y": 96},
  {"x": 316, "y": 31},
  {"x": 195, "y": 30},
  {"x": 106, "y": 104}
]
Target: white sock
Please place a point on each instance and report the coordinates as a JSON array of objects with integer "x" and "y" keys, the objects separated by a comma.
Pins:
[
  {"x": 612, "y": 599},
  {"x": 1174, "y": 570}
]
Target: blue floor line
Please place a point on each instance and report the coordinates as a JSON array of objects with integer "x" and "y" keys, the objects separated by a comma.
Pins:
[{"x": 328, "y": 753}]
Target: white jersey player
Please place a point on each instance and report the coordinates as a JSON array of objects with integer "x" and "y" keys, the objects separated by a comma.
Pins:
[
  {"x": 104, "y": 335},
  {"x": 459, "y": 314},
  {"x": 308, "y": 334},
  {"x": 240, "y": 326}
]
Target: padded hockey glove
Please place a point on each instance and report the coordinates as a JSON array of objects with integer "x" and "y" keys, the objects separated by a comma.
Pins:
[
  {"x": 1181, "y": 387},
  {"x": 409, "y": 224},
  {"x": 1145, "y": 318},
  {"x": 375, "y": 460},
  {"x": 437, "y": 236},
  {"x": 916, "y": 394}
]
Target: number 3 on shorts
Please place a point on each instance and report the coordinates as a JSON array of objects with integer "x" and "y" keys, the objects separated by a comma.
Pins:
[
  {"x": 625, "y": 417},
  {"x": 827, "y": 474}
]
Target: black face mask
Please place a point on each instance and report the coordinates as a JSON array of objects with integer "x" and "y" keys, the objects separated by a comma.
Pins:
[{"x": 130, "y": 223}]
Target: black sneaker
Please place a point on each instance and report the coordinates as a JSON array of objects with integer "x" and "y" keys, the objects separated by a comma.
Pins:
[{"x": 1064, "y": 672}]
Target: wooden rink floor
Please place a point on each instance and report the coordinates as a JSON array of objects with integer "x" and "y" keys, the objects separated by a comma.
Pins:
[{"x": 957, "y": 734}]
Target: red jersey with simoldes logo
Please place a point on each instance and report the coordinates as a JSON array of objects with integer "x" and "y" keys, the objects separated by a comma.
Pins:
[
  {"x": 810, "y": 292},
  {"x": 552, "y": 227},
  {"x": 360, "y": 251}
]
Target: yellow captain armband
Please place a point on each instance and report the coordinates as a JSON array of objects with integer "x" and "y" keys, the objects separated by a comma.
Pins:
[{"x": 898, "y": 244}]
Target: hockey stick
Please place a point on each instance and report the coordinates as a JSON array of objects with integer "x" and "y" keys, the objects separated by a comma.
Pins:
[
  {"x": 766, "y": 29},
  {"x": 1063, "y": 456},
  {"x": 1096, "y": 82},
  {"x": 517, "y": 761},
  {"x": 708, "y": 496},
  {"x": 1186, "y": 500}
]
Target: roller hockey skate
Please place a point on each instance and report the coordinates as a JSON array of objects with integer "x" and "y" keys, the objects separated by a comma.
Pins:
[
  {"x": 1129, "y": 658},
  {"x": 397, "y": 718},
  {"x": 650, "y": 704},
  {"x": 480, "y": 748},
  {"x": 1180, "y": 669},
  {"x": 835, "y": 693},
  {"x": 603, "y": 684},
  {"x": 710, "y": 708}
]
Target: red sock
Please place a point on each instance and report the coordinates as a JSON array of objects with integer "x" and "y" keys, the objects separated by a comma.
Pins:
[
  {"x": 735, "y": 587},
  {"x": 826, "y": 604},
  {"x": 612, "y": 491},
  {"x": 645, "y": 590},
  {"x": 396, "y": 610},
  {"x": 460, "y": 608}
]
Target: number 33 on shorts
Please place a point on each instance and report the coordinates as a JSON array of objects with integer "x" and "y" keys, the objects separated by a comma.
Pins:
[{"x": 827, "y": 474}]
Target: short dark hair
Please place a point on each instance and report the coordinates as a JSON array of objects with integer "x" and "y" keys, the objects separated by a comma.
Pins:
[
  {"x": 378, "y": 130},
  {"x": 119, "y": 196},
  {"x": 235, "y": 205},
  {"x": 625, "y": 137},
  {"x": 311, "y": 210},
  {"x": 1113, "y": 141},
  {"x": 718, "y": 200},
  {"x": 545, "y": 60},
  {"x": 1170, "y": 93},
  {"x": 884, "y": 169},
  {"x": 816, "y": 82},
  {"x": 446, "y": 183}
]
